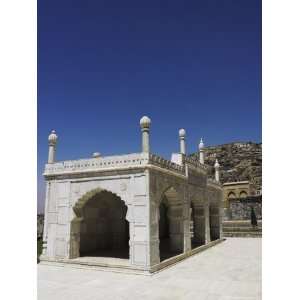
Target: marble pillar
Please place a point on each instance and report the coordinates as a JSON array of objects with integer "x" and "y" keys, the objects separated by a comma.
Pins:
[
  {"x": 207, "y": 223},
  {"x": 145, "y": 127},
  {"x": 52, "y": 139}
]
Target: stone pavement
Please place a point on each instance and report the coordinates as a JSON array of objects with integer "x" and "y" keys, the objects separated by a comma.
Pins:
[{"x": 230, "y": 270}]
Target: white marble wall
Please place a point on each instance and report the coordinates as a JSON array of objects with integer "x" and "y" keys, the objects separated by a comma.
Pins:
[
  {"x": 132, "y": 189},
  {"x": 142, "y": 192}
]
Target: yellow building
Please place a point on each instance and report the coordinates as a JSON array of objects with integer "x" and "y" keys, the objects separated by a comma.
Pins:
[{"x": 237, "y": 189}]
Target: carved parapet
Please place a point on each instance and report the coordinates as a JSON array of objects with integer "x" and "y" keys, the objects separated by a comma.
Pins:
[
  {"x": 195, "y": 163},
  {"x": 166, "y": 164},
  {"x": 97, "y": 164}
]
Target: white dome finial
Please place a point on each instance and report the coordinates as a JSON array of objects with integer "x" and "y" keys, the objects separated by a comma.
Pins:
[
  {"x": 217, "y": 165},
  {"x": 201, "y": 144},
  {"x": 52, "y": 138},
  {"x": 181, "y": 133},
  {"x": 96, "y": 154},
  {"x": 145, "y": 122}
]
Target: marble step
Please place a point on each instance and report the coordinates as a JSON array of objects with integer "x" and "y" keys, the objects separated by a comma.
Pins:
[
  {"x": 242, "y": 234},
  {"x": 240, "y": 224},
  {"x": 241, "y": 229}
]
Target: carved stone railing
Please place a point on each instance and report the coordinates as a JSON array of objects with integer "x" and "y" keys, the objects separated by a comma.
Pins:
[
  {"x": 166, "y": 164},
  {"x": 119, "y": 162},
  {"x": 99, "y": 163},
  {"x": 195, "y": 163},
  {"x": 111, "y": 162}
]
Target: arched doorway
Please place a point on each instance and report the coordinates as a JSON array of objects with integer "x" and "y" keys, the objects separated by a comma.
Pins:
[
  {"x": 231, "y": 195},
  {"x": 100, "y": 226},
  {"x": 170, "y": 225},
  {"x": 243, "y": 194}
]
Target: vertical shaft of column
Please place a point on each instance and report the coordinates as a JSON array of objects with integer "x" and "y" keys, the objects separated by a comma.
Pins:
[
  {"x": 45, "y": 231},
  {"x": 145, "y": 127},
  {"x": 199, "y": 225},
  {"x": 52, "y": 139},
  {"x": 187, "y": 245},
  {"x": 217, "y": 171},
  {"x": 207, "y": 223},
  {"x": 221, "y": 211},
  {"x": 201, "y": 152},
  {"x": 182, "y": 141},
  {"x": 176, "y": 228}
]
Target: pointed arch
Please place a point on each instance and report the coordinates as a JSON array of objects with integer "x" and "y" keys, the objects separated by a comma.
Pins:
[
  {"x": 100, "y": 225},
  {"x": 231, "y": 195}
]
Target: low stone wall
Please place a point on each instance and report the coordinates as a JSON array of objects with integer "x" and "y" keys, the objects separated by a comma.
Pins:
[{"x": 240, "y": 208}]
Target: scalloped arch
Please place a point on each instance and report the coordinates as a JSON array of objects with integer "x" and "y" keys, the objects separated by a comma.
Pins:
[
  {"x": 83, "y": 200},
  {"x": 171, "y": 192}
]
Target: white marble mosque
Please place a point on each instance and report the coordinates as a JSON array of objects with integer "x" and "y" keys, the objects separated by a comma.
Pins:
[{"x": 137, "y": 211}]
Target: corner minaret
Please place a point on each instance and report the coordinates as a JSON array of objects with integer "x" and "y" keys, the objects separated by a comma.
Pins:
[
  {"x": 201, "y": 152},
  {"x": 217, "y": 171},
  {"x": 182, "y": 141},
  {"x": 52, "y": 139},
  {"x": 145, "y": 123}
]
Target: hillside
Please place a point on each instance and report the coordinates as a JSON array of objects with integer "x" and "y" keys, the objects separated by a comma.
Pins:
[{"x": 238, "y": 161}]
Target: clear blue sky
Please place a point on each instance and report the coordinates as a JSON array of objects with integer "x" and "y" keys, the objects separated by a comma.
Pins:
[{"x": 186, "y": 64}]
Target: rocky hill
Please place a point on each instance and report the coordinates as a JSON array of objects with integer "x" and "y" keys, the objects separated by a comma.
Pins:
[{"x": 238, "y": 161}]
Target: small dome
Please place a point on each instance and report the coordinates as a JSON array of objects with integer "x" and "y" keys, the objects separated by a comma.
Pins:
[
  {"x": 145, "y": 122},
  {"x": 96, "y": 154},
  {"x": 201, "y": 144},
  {"x": 217, "y": 165},
  {"x": 52, "y": 137},
  {"x": 181, "y": 132}
]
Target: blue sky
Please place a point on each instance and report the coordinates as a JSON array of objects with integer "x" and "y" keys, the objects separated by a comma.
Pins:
[{"x": 186, "y": 64}]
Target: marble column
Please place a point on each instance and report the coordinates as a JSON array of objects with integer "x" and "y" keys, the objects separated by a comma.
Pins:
[
  {"x": 145, "y": 127},
  {"x": 187, "y": 245},
  {"x": 52, "y": 139},
  {"x": 45, "y": 231},
  {"x": 207, "y": 223},
  {"x": 199, "y": 225},
  {"x": 214, "y": 222},
  {"x": 221, "y": 213},
  {"x": 201, "y": 152},
  {"x": 176, "y": 228},
  {"x": 182, "y": 141},
  {"x": 217, "y": 171}
]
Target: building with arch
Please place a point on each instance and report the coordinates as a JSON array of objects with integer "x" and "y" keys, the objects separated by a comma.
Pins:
[
  {"x": 237, "y": 189},
  {"x": 140, "y": 209}
]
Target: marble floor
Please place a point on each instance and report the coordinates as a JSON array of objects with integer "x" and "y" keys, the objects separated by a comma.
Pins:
[{"x": 230, "y": 270}]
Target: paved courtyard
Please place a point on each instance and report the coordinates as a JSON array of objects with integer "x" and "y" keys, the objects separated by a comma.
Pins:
[{"x": 228, "y": 271}]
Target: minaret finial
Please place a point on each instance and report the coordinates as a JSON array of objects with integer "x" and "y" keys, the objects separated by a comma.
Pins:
[{"x": 145, "y": 123}]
